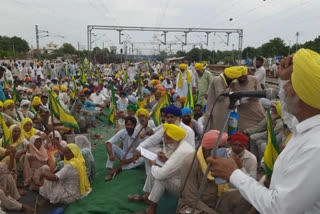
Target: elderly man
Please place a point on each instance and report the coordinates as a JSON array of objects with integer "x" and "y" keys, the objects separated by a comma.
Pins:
[
  {"x": 250, "y": 110},
  {"x": 144, "y": 122},
  {"x": 295, "y": 171},
  {"x": 220, "y": 84},
  {"x": 185, "y": 79},
  {"x": 127, "y": 137},
  {"x": 204, "y": 79},
  {"x": 23, "y": 111},
  {"x": 167, "y": 177},
  {"x": 9, "y": 110}
]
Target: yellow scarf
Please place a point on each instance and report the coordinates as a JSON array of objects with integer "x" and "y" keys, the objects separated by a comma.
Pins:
[
  {"x": 180, "y": 82},
  {"x": 20, "y": 139},
  {"x": 29, "y": 133},
  {"x": 203, "y": 163},
  {"x": 78, "y": 162}
]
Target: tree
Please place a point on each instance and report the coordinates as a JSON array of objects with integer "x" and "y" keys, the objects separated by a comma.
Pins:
[
  {"x": 250, "y": 52},
  {"x": 181, "y": 53},
  {"x": 67, "y": 48},
  {"x": 194, "y": 55},
  {"x": 273, "y": 48}
]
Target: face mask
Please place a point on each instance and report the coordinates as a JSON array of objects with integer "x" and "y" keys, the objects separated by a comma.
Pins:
[
  {"x": 130, "y": 131},
  {"x": 186, "y": 121}
]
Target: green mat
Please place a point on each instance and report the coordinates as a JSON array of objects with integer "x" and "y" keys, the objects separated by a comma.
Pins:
[{"x": 111, "y": 196}]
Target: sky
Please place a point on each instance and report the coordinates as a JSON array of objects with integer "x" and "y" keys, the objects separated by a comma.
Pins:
[{"x": 261, "y": 21}]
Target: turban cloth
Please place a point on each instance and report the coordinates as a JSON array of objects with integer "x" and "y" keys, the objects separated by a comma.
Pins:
[
  {"x": 1, "y": 104},
  {"x": 243, "y": 139},
  {"x": 173, "y": 110},
  {"x": 183, "y": 100},
  {"x": 199, "y": 66},
  {"x": 63, "y": 88},
  {"x": 175, "y": 96},
  {"x": 133, "y": 107},
  {"x": 243, "y": 69},
  {"x": 305, "y": 77},
  {"x": 36, "y": 101},
  {"x": 143, "y": 112},
  {"x": 146, "y": 91},
  {"x": 174, "y": 132},
  {"x": 185, "y": 111},
  {"x": 182, "y": 66},
  {"x": 233, "y": 72},
  {"x": 132, "y": 99},
  {"x": 55, "y": 88},
  {"x": 25, "y": 102},
  {"x": 210, "y": 138},
  {"x": 54, "y": 80},
  {"x": 7, "y": 103}
]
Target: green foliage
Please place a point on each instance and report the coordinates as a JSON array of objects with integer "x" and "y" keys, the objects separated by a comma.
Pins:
[{"x": 13, "y": 47}]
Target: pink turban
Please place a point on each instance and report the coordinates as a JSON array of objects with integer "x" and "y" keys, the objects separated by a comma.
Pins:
[
  {"x": 242, "y": 138},
  {"x": 210, "y": 138}
]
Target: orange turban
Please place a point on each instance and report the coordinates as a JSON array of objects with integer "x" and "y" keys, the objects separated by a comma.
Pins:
[{"x": 210, "y": 138}]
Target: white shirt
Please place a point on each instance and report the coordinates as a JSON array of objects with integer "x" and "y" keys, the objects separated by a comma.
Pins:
[
  {"x": 157, "y": 137},
  {"x": 260, "y": 74},
  {"x": 174, "y": 163},
  {"x": 184, "y": 90},
  {"x": 295, "y": 182},
  {"x": 166, "y": 85}
]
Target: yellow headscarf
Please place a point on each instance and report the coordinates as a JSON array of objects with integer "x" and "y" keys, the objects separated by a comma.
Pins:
[
  {"x": 306, "y": 76},
  {"x": 25, "y": 133},
  {"x": 174, "y": 131},
  {"x": 243, "y": 69},
  {"x": 55, "y": 88},
  {"x": 36, "y": 101},
  {"x": 233, "y": 72},
  {"x": 278, "y": 108},
  {"x": 142, "y": 111},
  {"x": 20, "y": 139},
  {"x": 1, "y": 104},
  {"x": 78, "y": 162},
  {"x": 7, "y": 103},
  {"x": 189, "y": 79},
  {"x": 63, "y": 88}
]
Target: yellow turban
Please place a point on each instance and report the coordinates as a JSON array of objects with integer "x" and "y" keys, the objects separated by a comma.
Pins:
[
  {"x": 78, "y": 163},
  {"x": 63, "y": 88},
  {"x": 174, "y": 131},
  {"x": 233, "y": 72},
  {"x": 143, "y": 112},
  {"x": 36, "y": 101},
  {"x": 182, "y": 66},
  {"x": 1, "y": 104},
  {"x": 55, "y": 88},
  {"x": 306, "y": 77},
  {"x": 7, "y": 103},
  {"x": 199, "y": 66},
  {"x": 243, "y": 69}
]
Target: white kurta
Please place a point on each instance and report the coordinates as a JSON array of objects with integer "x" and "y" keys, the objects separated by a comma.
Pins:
[
  {"x": 260, "y": 74},
  {"x": 295, "y": 179},
  {"x": 184, "y": 90}
]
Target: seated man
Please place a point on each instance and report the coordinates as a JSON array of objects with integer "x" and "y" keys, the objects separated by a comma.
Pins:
[
  {"x": 23, "y": 111},
  {"x": 126, "y": 136},
  {"x": 245, "y": 160},
  {"x": 197, "y": 111},
  {"x": 192, "y": 123},
  {"x": 144, "y": 122},
  {"x": 167, "y": 177}
]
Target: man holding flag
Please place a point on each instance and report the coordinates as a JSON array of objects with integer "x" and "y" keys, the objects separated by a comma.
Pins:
[{"x": 295, "y": 178}]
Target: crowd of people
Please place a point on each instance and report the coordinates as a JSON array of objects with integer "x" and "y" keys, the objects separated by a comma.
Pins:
[{"x": 45, "y": 154}]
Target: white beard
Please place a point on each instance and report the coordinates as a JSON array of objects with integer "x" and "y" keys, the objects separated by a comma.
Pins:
[{"x": 169, "y": 149}]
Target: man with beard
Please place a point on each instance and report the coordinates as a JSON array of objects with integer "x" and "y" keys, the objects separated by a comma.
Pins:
[
  {"x": 197, "y": 111},
  {"x": 97, "y": 97},
  {"x": 260, "y": 73},
  {"x": 23, "y": 111},
  {"x": 126, "y": 136},
  {"x": 167, "y": 177},
  {"x": 250, "y": 110},
  {"x": 144, "y": 122},
  {"x": 295, "y": 172},
  {"x": 220, "y": 84},
  {"x": 192, "y": 123},
  {"x": 184, "y": 80},
  {"x": 10, "y": 110},
  {"x": 204, "y": 79}
]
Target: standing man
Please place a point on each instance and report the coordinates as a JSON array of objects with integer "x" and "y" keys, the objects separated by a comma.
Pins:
[
  {"x": 260, "y": 73},
  {"x": 204, "y": 79},
  {"x": 184, "y": 78},
  {"x": 295, "y": 172},
  {"x": 220, "y": 84},
  {"x": 250, "y": 110}
]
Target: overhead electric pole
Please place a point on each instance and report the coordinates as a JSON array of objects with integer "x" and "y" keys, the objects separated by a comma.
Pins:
[{"x": 37, "y": 36}]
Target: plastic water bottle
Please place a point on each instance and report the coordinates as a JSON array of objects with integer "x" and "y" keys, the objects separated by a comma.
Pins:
[{"x": 233, "y": 123}]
